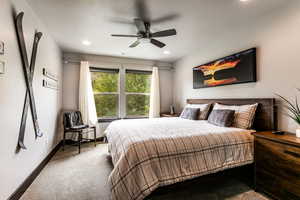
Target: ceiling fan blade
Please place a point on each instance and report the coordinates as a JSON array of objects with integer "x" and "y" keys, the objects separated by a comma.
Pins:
[
  {"x": 116, "y": 35},
  {"x": 140, "y": 24},
  {"x": 157, "y": 43},
  {"x": 165, "y": 18},
  {"x": 136, "y": 43},
  {"x": 142, "y": 10},
  {"x": 165, "y": 33}
]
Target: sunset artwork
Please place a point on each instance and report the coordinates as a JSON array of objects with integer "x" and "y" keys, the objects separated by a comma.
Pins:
[{"x": 237, "y": 68}]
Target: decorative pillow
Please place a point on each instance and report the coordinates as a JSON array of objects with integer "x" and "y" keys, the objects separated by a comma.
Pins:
[
  {"x": 190, "y": 113},
  {"x": 203, "y": 110},
  {"x": 221, "y": 117},
  {"x": 243, "y": 116}
]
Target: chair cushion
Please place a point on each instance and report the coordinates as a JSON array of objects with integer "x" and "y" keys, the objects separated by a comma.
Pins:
[
  {"x": 79, "y": 127},
  {"x": 72, "y": 119}
]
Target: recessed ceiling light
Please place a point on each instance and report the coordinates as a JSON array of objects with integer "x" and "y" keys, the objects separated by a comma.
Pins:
[
  {"x": 244, "y": 0},
  {"x": 167, "y": 52},
  {"x": 86, "y": 43}
]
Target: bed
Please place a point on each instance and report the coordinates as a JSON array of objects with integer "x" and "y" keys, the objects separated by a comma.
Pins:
[{"x": 152, "y": 153}]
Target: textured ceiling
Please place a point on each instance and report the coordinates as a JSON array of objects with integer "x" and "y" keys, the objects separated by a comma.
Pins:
[{"x": 199, "y": 22}]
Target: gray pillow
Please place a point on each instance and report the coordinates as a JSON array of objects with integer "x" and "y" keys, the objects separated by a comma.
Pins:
[
  {"x": 190, "y": 113},
  {"x": 221, "y": 117}
]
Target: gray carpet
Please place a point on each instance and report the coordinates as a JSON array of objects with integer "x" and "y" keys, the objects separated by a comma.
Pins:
[{"x": 72, "y": 176}]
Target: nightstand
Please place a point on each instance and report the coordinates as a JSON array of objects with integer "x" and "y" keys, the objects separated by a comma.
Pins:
[
  {"x": 277, "y": 165},
  {"x": 169, "y": 115}
]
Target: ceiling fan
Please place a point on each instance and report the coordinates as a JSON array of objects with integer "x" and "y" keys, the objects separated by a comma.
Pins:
[{"x": 143, "y": 24}]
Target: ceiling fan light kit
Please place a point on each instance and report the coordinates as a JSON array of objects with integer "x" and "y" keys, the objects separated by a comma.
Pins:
[{"x": 143, "y": 24}]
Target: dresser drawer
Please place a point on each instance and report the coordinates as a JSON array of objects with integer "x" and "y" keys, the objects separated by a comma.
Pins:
[
  {"x": 276, "y": 187},
  {"x": 279, "y": 159},
  {"x": 277, "y": 165}
]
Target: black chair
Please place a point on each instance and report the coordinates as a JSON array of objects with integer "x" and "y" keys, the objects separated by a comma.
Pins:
[{"x": 73, "y": 123}]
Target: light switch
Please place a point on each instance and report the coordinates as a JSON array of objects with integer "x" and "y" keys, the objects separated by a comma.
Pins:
[
  {"x": 2, "y": 67},
  {"x": 1, "y": 47}
]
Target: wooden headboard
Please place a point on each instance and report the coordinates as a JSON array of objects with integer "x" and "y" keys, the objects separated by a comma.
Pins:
[{"x": 265, "y": 117}]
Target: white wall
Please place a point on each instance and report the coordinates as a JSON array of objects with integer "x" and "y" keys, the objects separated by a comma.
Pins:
[
  {"x": 277, "y": 38},
  {"x": 71, "y": 76},
  {"x": 15, "y": 167}
]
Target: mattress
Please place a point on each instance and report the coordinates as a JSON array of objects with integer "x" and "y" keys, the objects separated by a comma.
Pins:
[{"x": 150, "y": 153}]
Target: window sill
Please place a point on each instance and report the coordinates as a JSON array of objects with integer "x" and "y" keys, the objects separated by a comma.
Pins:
[
  {"x": 135, "y": 117},
  {"x": 107, "y": 120},
  {"x": 114, "y": 119}
]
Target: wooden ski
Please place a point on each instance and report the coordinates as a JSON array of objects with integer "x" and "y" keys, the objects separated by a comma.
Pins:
[
  {"x": 28, "y": 72},
  {"x": 37, "y": 37}
]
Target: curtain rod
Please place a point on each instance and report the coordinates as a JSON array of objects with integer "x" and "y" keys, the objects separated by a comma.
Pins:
[{"x": 159, "y": 67}]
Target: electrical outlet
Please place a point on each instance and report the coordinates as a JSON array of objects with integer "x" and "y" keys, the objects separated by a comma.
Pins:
[
  {"x": 2, "y": 67},
  {"x": 1, "y": 47}
]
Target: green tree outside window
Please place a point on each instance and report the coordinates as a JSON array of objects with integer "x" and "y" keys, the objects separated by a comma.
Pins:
[
  {"x": 137, "y": 94},
  {"x": 105, "y": 87}
]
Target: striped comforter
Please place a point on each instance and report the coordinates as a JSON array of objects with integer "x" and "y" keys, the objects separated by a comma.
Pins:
[{"x": 150, "y": 153}]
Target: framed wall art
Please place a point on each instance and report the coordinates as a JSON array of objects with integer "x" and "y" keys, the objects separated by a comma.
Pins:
[
  {"x": 233, "y": 69},
  {"x": 1, "y": 48}
]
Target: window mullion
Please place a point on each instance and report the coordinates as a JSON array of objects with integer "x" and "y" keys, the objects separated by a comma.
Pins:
[
  {"x": 122, "y": 103},
  {"x": 137, "y": 93},
  {"x": 105, "y": 93}
]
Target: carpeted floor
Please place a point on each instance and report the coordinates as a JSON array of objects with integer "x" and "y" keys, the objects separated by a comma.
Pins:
[{"x": 72, "y": 176}]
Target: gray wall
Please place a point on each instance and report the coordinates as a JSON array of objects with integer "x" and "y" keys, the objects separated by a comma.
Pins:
[
  {"x": 277, "y": 39},
  {"x": 15, "y": 167}
]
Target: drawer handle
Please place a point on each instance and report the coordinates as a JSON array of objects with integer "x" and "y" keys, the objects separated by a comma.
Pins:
[{"x": 297, "y": 155}]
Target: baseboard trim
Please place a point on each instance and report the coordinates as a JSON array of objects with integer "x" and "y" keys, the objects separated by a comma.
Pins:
[{"x": 27, "y": 182}]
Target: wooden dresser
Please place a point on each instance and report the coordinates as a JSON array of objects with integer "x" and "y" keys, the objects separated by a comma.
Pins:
[{"x": 277, "y": 165}]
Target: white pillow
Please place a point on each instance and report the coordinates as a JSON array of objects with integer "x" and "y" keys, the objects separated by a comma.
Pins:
[
  {"x": 243, "y": 116},
  {"x": 204, "y": 109}
]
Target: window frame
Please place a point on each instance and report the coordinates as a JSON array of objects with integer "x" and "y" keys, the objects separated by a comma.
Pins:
[
  {"x": 109, "y": 70},
  {"x": 135, "y": 93},
  {"x": 122, "y": 94}
]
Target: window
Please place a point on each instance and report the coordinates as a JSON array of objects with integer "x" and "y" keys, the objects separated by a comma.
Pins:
[
  {"x": 121, "y": 93},
  {"x": 137, "y": 93},
  {"x": 105, "y": 84}
]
